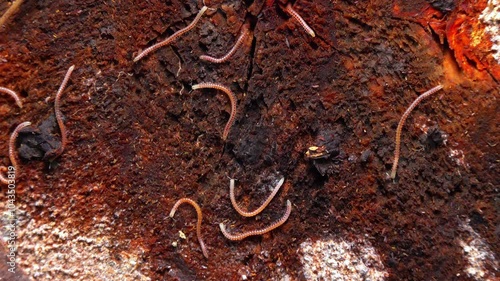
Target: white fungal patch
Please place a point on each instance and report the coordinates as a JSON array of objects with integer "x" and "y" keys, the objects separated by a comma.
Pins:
[
  {"x": 458, "y": 157},
  {"x": 482, "y": 264},
  {"x": 338, "y": 259},
  {"x": 55, "y": 251},
  {"x": 491, "y": 18}
]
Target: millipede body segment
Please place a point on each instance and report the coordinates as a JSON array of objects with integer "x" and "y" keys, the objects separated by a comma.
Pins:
[
  {"x": 198, "y": 224},
  {"x": 12, "y": 94},
  {"x": 12, "y": 148},
  {"x": 259, "y": 209},
  {"x": 278, "y": 223},
  {"x": 57, "y": 110},
  {"x": 298, "y": 18},
  {"x": 244, "y": 34},
  {"x": 401, "y": 124},
  {"x": 173, "y": 37},
  {"x": 232, "y": 99}
]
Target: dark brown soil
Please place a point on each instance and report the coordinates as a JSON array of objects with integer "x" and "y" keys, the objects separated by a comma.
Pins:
[{"x": 140, "y": 139}]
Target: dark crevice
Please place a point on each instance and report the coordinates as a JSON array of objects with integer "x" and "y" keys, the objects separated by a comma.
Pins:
[
  {"x": 313, "y": 45},
  {"x": 324, "y": 41},
  {"x": 493, "y": 77},
  {"x": 222, "y": 13},
  {"x": 238, "y": 88},
  {"x": 250, "y": 67},
  {"x": 253, "y": 22},
  {"x": 448, "y": 51},
  {"x": 185, "y": 88},
  {"x": 411, "y": 39},
  {"x": 177, "y": 53},
  {"x": 248, "y": 2},
  {"x": 366, "y": 27},
  {"x": 187, "y": 6},
  {"x": 436, "y": 36},
  {"x": 280, "y": 12},
  {"x": 471, "y": 62},
  {"x": 203, "y": 47}
]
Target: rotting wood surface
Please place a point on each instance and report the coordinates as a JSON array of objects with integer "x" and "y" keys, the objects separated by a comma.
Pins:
[{"x": 140, "y": 139}]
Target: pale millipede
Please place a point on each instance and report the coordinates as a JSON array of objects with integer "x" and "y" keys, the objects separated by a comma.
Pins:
[
  {"x": 172, "y": 37},
  {"x": 12, "y": 94},
  {"x": 57, "y": 110},
  {"x": 298, "y": 18},
  {"x": 239, "y": 41},
  {"x": 258, "y": 210},
  {"x": 198, "y": 224},
  {"x": 12, "y": 147},
  {"x": 237, "y": 237},
  {"x": 402, "y": 122},
  {"x": 232, "y": 99}
]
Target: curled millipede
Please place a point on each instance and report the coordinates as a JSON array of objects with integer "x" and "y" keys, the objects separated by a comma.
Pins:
[
  {"x": 12, "y": 147},
  {"x": 278, "y": 223},
  {"x": 198, "y": 224},
  {"x": 232, "y": 99},
  {"x": 12, "y": 94},
  {"x": 259, "y": 209}
]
